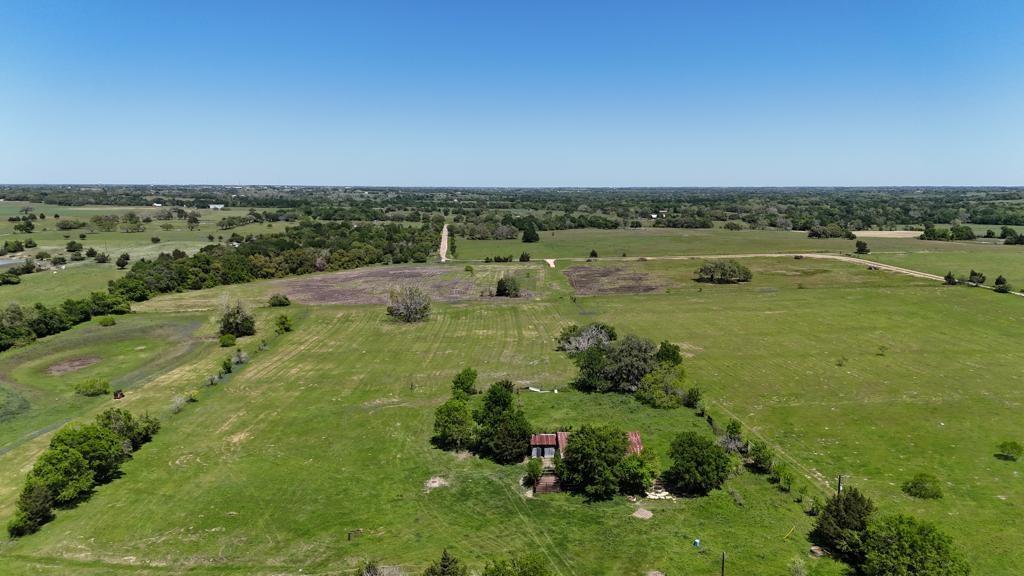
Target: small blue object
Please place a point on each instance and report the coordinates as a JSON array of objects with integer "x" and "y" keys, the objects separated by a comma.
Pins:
[{"x": 696, "y": 543}]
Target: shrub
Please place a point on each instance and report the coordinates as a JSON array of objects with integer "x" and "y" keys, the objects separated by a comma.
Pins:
[
  {"x": 279, "y": 300},
  {"x": 106, "y": 321},
  {"x": 508, "y": 287},
  {"x": 504, "y": 431},
  {"x": 897, "y": 545},
  {"x": 155, "y": 239},
  {"x": 636, "y": 473},
  {"x": 1010, "y": 450},
  {"x": 133, "y": 431},
  {"x": 762, "y": 458},
  {"x": 91, "y": 252},
  {"x": 454, "y": 428},
  {"x": 408, "y": 304},
  {"x": 92, "y": 387},
  {"x": 102, "y": 258},
  {"x": 534, "y": 470},
  {"x": 698, "y": 464},
  {"x": 227, "y": 340},
  {"x": 524, "y": 257},
  {"x": 529, "y": 565},
  {"x": 282, "y": 324},
  {"x": 530, "y": 234},
  {"x": 103, "y": 449},
  {"x": 66, "y": 475},
  {"x": 782, "y": 476},
  {"x": 723, "y": 272},
  {"x": 448, "y": 565},
  {"x": 976, "y": 278},
  {"x": 862, "y": 247},
  {"x": 842, "y": 523},
  {"x": 1002, "y": 286},
  {"x": 226, "y": 366},
  {"x": 122, "y": 260},
  {"x": 593, "y": 253},
  {"x": 468, "y": 268},
  {"x": 178, "y": 404},
  {"x": 691, "y": 398},
  {"x": 669, "y": 353},
  {"x": 924, "y": 486},
  {"x": 34, "y": 508},
  {"x": 464, "y": 382},
  {"x": 237, "y": 320}
]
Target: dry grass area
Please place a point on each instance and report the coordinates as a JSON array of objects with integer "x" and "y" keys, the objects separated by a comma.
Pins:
[
  {"x": 595, "y": 280},
  {"x": 371, "y": 285},
  {"x": 887, "y": 233}
]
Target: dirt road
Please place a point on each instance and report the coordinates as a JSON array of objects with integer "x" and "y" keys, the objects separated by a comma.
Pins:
[{"x": 443, "y": 251}]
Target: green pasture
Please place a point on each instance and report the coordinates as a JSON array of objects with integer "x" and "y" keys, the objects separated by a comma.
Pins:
[{"x": 868, "y": 374}]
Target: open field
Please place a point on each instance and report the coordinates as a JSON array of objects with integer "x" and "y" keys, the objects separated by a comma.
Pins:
[
  {"x": 328, "y": 432},
  {"x": 79, "y": 278}
]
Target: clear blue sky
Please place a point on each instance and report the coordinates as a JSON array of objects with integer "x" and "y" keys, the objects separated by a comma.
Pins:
[{"x": 824, "y": 92}]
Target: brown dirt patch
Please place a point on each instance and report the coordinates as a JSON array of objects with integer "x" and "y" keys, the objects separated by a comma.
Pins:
[
  {"x": 72, "y": 365},
  {"x": 593, "y": 280},
  {"x": 434, "y": 483},
  {"x": 371, "y": 285}
]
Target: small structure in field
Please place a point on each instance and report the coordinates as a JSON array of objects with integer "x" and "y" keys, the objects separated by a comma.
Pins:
[
  {"x": 216, "y": 206},
  {"x": 545, "y": 446}
]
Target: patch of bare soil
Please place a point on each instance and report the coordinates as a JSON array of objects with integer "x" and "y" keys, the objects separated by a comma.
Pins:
[
  {"x": 434, "y": 483},
  {"x": 371, "y": 285},
  {"x": 593, "y": 280},
  {"x": 72, "y": 365}
]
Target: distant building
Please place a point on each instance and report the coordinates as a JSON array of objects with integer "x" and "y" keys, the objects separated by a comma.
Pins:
[
  {"x": 216, "y": 206},
  {"x": 545, "y": 446},
  {"x": 157, "y": 204}
]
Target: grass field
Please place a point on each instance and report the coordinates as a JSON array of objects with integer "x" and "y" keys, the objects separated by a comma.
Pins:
[
  {"x": 79, "y": 278},
  {"x": 327, "y": 432}
]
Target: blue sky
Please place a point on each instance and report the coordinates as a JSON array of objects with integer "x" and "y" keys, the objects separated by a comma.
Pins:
[{"x": 522, "y": 93}]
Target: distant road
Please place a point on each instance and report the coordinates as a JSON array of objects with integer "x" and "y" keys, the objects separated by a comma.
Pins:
[{"x": 443, "y": 251}]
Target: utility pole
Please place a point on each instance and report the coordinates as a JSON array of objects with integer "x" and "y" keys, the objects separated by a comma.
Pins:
[
  {"x": 723, "y": 563},
  {"x": 839, "y": 490}
]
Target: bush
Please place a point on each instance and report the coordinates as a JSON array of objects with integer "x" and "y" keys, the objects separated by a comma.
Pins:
[
  {"x": 155, "y": 239},
  {"x": 924, "y": 486},
  {"x": 842, "y": 523},
  {"x": 698, "y": 464},
  {"x": 279, "y": 300},
  {"x": 1010, "y": 450},
  {"x": 227, "y": 340},
  {"x": 464, "y": 382},
  {"x": 103, "y": 449},
  {"x": 508, "y": 287},
  {"x": 762, "y": 458},
  {"x": 862, "y": 247},
  {"x": 723, "y": 272},
  {"x": 237, "y": 320},
  {"x": 282, "y": 324},
  {"x": 898, "y": 545},
  {"x": 102, "y": 258},
  {"x": 92, "y": 387},
  {"x": 530, "y": 235},
  {"x": 66, "y": 475},
  {"x": 122, "y": 260},
  {"x": 448, "y": 565},
  {"x": 530, "y": 565},
  {"x": 950, "y": 279},
  {"x": 593, "y": 253},
  {"x": 534, "y": 470},
  {"x": 524, "y": 257},
  {"x": 408, "y": 304},
  {"x": 106, "y": 321},
  {"x": 34, "y": 508},
  {"x": 691, "y": 398}
]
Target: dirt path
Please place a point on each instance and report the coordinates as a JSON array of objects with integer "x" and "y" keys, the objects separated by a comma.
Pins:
[
  {"x": 550, "y": 261},
  {"x": 443, "y": 251}
]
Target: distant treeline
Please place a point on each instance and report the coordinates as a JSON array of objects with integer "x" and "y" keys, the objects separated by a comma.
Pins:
[{"x": 786, "y": 208}]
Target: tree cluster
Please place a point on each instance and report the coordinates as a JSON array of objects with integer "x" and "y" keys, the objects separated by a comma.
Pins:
[
  {"x": 79, "y": 458},
  {"x": 722, "y": 272},
  {"x": 496, "y": 429},
  {"x": 21, "y": 325},
  {"x": 598, "y": 466}
]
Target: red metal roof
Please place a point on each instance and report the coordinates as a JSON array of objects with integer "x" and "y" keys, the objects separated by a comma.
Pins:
[
  {"x": 636, "y": 446},
  {"x": 544, "y": 440}
]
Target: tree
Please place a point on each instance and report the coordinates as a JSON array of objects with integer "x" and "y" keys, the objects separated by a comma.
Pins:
[
  {"x": 529, "y": 565},
  {"x": 698, "y": 464},
  {"x": 104, "y": 450},
  {"x": 662, "y": 387},
  {"x": 530, "y": 234},
  {"x": 723, "y": 272},
  {"x": 534, "y": 470},
  {"x": 122, "y": 260},
  {"x": 134, "y": 432},
  {"x": 1010, "y": 450},
  {"x": 506, "y": 437},
  {"x": 950, "y": 279},
  {"x": 842, "y": 523},
  {"x": 762, "y": 458},
  {"x": 464, "y": 382},
  {"x": 898, "y": 545},
  {"x": 508, "y": 286},
  {"x": 669, "y": 353},
  {"x": 238, "y": 321},
  {"x": 862, "y": 247},
  {"x": 591, "y": 463},
  {"x": 976, "y": 278},
  {"x": 524, "y": 257},
  {"x": 573, "y": 339},
  {"x": 65, "y": 473},
  {"x": 25, "y": 226},
  {"x": 34, "y": 508},
  {"x": 636, "y": 473},
  {"x": 448, "y": 565},
  {"x": 192, "y": 220},
  {"x": 628, "y": 361},
  {"x": 593, "y": 253},
  {"x": 408, "y": 304},
  {"x": 453, "y": 425}
]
